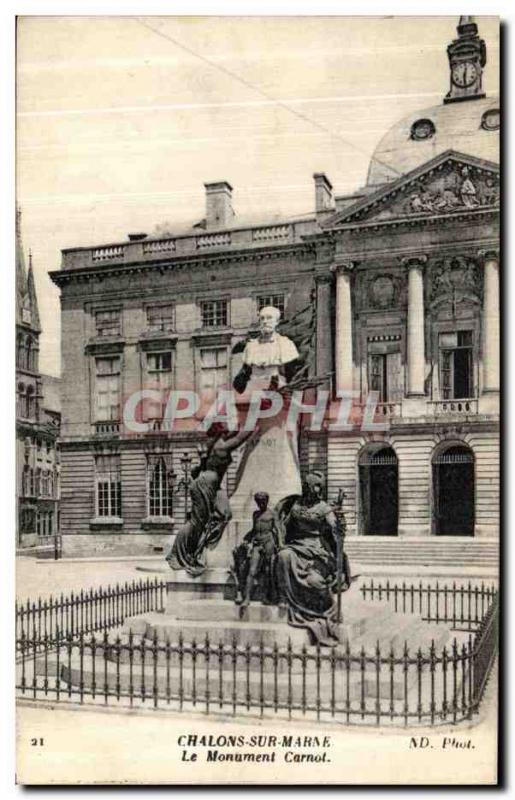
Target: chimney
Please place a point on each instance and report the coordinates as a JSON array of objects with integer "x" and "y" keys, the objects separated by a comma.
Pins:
[
  {"x": 323, "y": 192},
  {"x": 219, "y": 211}
]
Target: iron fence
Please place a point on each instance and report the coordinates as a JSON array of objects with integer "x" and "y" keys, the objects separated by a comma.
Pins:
[
  {"x": 464, "y": 607},
  {"x": 433, "y": 687},
  {"x": 87, "y": 611},
  {"x": 67, "y": 652}
]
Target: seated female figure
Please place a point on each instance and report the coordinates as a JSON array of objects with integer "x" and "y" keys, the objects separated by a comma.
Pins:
[{"x": 306, "y": 565}]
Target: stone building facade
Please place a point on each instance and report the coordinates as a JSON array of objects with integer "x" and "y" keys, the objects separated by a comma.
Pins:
[
  {"x": 38, "y": 417},
  {"x": 403, "y": 277}
]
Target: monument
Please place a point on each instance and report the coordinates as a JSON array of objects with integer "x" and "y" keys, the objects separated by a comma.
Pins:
[{"x": 270, "y": 461}]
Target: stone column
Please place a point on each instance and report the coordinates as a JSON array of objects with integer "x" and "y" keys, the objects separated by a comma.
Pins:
[
  {"x": 416, "y": 354},
  {"x": 324, "y": 344},
  {"x": 343, "y": 344},
  {"x": 490, "y": 327}
]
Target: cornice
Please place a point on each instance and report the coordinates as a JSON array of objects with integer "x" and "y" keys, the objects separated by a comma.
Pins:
[
  {"x": 105, "y": 346},
  {"x": 211, "y": 337},
  {"x": 394, "y": 255},
  {"x": 416, "y": 221},
  {"x": 133, "y": 441},
  {"x": 99, "y": 274},
  {"x": 149, "y": 342}
]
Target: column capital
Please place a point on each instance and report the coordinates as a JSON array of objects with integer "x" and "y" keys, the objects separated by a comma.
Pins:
[
  {"x": 489, "y": 254},
  {"x": 414, "y": 262},
  {"x": 343, "y": 267}
]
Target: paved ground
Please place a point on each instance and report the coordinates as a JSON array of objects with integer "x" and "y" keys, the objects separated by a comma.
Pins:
[{"x": 42, "y": 578}]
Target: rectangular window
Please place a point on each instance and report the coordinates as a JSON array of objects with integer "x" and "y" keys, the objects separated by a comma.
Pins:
[
  {"x": 456, "y": 365},
  {"x": 107, "y": 388},
  {"x": 160, "y": 486},
  {"x": 213, "y": 369},
  {"x": 384, "y": 376},
  {"x": 159, "y": 371},
  {"x": 214, "y": 313},
  {"x": 109, "y": 486},
  {"x": 107, "y": 323},
  {"x": 160, "y": 318},
  {"x": 276, "y": 300},
  {"x": 45, "y": 523}
]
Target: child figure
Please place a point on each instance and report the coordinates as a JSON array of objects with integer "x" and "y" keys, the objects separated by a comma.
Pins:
[{"x": 254, "y": 558}]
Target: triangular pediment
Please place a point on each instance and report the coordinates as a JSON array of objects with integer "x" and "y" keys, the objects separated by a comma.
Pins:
[{"x": 448, "y": 184}]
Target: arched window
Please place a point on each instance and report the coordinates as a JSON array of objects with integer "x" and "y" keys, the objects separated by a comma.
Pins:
[{"x": 28, "y": 353}]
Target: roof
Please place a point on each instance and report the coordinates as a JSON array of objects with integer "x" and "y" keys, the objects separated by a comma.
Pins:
[{"x": 457, "y": 126}]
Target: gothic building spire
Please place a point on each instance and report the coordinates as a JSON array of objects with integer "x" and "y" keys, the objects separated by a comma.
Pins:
[
  {"x": 27, "y": 310},
  {"x": 33, "y": 300}
]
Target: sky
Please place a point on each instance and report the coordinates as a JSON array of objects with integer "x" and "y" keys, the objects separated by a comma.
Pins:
[{"x": 119, "y": 126}]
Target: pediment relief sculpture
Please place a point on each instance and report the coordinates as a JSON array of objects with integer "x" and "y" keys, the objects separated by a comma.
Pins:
[{"x": 449, "y": 184}]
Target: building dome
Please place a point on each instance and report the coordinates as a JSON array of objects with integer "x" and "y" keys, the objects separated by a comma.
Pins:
[
  {"x": 466, "y": 121},
  {"x": 470, "y": 127}
]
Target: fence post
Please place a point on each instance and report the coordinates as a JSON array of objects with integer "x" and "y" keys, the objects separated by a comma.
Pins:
[
  {"x": 470, "y": 658},
  {"x": 444, "y": 678},
  {"x": 362, "y": 665},
  {"x": 194, "y": 672},
  {"x": 405, "y": 667},
  {"x": 392, "y": 671},
  {"x": 93, "y": 653},
  {"x": 45, "y": 662},
  {"x": 105, "y": 644},
  {"x": 81, "y": 667},
  {"x": 454, "y": 680},
  {"x": 432, "y": 663},
  {"x": 167, "y": 656},
  {"x": 58, "y": 663},
  {"x": 234, "y": 656},
  {"x": 419, "y": 683},
  {"x": 154, "y": 658}
]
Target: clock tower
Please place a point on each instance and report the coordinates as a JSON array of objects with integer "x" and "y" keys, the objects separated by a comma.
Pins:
[{"x": 467, "y": 57}]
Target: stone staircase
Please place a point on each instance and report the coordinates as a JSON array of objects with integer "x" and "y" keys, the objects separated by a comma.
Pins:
[{"x": 441, "y": 551}]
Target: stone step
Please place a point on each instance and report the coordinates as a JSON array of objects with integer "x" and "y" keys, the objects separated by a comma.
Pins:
[
  {"x": 218, "y": 610},
  {"x": 244, "y": 685},
  {"x": 408, "y": 629},
  {"x": 164, "y": 627}
]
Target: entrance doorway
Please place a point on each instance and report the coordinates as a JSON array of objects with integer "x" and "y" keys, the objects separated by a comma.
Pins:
[
  {"x": 379, "y": 491},
  {"x": 453, "y": 492}
]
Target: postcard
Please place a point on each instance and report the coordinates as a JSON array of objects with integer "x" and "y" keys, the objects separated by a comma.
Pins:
[{"x": 257, "y": 400}]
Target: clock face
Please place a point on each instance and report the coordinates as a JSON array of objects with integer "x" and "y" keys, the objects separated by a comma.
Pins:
[{"x": 464, "y": 74}]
